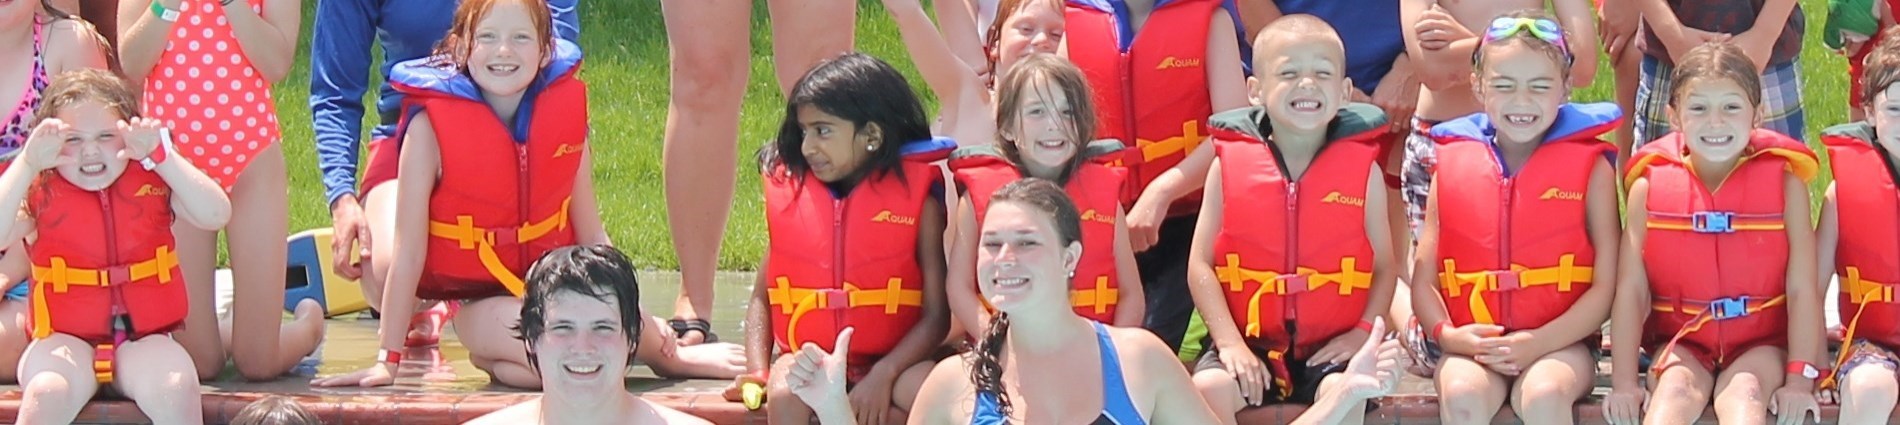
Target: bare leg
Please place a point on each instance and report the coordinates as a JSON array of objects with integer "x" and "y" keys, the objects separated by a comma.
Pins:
[
  {"x": 155, "y": 372},
  {"x": 1868, "y": 393},
  {"x": 1221, "y": 390},
  {"x": 805, "y": 32},
  {"x": 1683, "y": 388},
  {"x": 15, "y": 334},
  {"x": 1628, "y": 72},
  {"x": 1742, "y": 390},
  {"x": 197, "y": 255},
  {"x": 904, "y": 391},
  {"x": 483, "y": 327},
  {"x": 783, "y": 407},
  {"x": 59, "y": 380},
  {"x": 1547, "y": 392},
  {"x": 709, "y": 72},
  {"x": 1469, "y": 393},
  {"x": 259, "y": 224}
]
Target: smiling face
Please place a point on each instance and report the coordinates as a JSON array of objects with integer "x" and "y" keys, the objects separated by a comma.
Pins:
[
  {"x": 1036, "y": 26},
  {"x": 505, "y": 50},
  {"x": 1021, "y": 262},
  {"x": 1715, "y": 117},
  {"x": 94, "y": 145},
  {"x": 583, "y": 350},
  {"x": 1884, "y": 112},
  {"x": 1521, "y": 89},
  {"x": 1302, "y": 83},
  {"x": 833, "y": 146},
  {"x": 1044, "y": 134}
]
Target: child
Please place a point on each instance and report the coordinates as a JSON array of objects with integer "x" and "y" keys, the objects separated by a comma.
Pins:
[
  {"x": 102, "y": 252},
  {"x": 504, "y": 179},
  {"x": 1519, "y": 222},
  {"x": 1024, "y": 28},
  {"x": 1768, "y": 33},
  {"x": 1161, "y": 68},
  {"x": 1716, "y": 283},
  {"x": 855, "y": 227},
  {"x": 1862, "y": 157},
  {"x": 1321, "y": 254},
  {"x": 206, "y": 68},
  {"x": 1046, "y": 116},
  {"x": 1851, "y": 25}
]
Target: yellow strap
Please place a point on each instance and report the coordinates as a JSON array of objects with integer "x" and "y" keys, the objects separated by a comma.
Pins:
[
  {"x": 102, "y": 356},
  {"x": 1564, "y": 275},
  {"x": 1347, "y": 279},
  {"x": 58, "y": 277},
  {"x": 1101, "y": 297},
  {"x": 482, "y": 241},
  {"x": 1152, "y": 150},
  {"x": 1862, "y": 292},
  {"x": 798, "y": 301}
]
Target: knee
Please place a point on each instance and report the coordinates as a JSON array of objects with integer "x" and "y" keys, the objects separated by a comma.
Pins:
[
  {"x": 780, "y": 402},
  {"x": 1545, "y": 395},
  {"x": 1218, "y": 388},
  {"x": 1872, "y": 385},
  {"x": 1462, "y": 398},
  {"x": 209, "y": 365},
  {"x": 50, "y": 386},
  {"x": 703, "y": 76}
]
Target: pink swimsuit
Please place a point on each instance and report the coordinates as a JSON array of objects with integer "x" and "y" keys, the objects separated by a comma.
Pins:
[{"x": 217, "y": 104}]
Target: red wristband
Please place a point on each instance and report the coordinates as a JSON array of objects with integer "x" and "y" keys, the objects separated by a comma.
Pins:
[
  {"x": 1438, "y": 331},
  {"x": 1804, "y": 369},
  {"x": 388, "y": 356},
  {"x": 1364, "y": 325}
]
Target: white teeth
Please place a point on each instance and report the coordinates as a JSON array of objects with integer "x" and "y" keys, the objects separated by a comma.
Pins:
[
  {"x": 1520, "y": 118},
  {"x": 1717, "y": 140},
  {"x": 503, "y": 68},
  {"x": 1305, "y": 104},
  {"x": 583, "y": 369},
  {"x": 1012, "y": 281},
  {"x": 1051, "y": 143},
  {"x": 92, "y": 168}
]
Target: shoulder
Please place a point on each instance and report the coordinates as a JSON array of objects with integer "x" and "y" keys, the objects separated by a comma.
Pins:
[
  {"x": 1140, "y": 350},
  {"x": 665, "y": 415},
  {"x": 72, "y": 44},
  {"x": 523, "y": 413}
]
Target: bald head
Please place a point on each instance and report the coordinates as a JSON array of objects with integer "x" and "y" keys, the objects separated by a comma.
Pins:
[{"x": 1297, "y": 28}]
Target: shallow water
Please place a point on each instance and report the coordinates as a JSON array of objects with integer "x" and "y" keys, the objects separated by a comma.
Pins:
[{"x": 350, "y": 342}]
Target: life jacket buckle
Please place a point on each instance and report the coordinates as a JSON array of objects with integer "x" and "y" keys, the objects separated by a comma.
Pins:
[
  {"x": 1728, "y": 308},
  {"x": 504, "y": 236},
  {"x": 117, "y": 275},
  {"x": 1504, "y": 280},
  {"x": 834, "y": 299},
  {"x": 1712, "y": 222},
  {"x": 1293, "y": 283}
]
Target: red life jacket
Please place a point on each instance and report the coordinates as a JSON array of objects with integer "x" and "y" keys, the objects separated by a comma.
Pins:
[
  {"x": 1514, "y": 250},
  {"x": 851, "y": 261},
  {"x": 1867, "y": 258},
  {"x": 1154, "y": 92},
  {"x": 1717, "y": 262},
  {"x": 1295, "y": 248},
  {"x": 104, "y": 253},
  {"x": 499, "y": 204},
  {"x": 1095, "y": 289}
]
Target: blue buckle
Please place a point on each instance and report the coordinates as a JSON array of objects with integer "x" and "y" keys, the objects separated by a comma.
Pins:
[
  {"x": 1712, "y": 222},
  {"x": 1729, "y": 308}
]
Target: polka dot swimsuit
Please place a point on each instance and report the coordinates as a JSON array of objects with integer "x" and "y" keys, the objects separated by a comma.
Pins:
[
  {"x": 13, "y": 131},
  {"x": 217, "y": 104}
]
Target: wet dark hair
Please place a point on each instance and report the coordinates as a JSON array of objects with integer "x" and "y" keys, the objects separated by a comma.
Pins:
[
  {"x": 1881, "y": 68},
  {"x": 1037, "y": 74},
  {"x": 1713, "y": 61},
  {"x": 1557, "y": 54},
  {"x": 986, "y": 368},
  {"x": 80, "y": 85},
  {"x": 275, "y": 410},
  {"x": 597, "y": 271},
  {"x": 863, "y": 90}
]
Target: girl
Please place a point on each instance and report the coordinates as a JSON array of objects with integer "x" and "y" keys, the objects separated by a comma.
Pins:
[
  {"x": 102, "y": 252},
  {"x": 1022, "y": 28},
  {"x": 1520, "y": 229},
  {"x": 206, "y": 68},
  {"x": 41, "y": 42},
  {"x": 502, "y": 181},
  {"x": 1716, "y": 283},
  {"x": 1308, "y": 237},
  {"x": 1046, "y": 115},
  {"x": 855, "y": 228},
  {"x": 1862, "y": 157}
]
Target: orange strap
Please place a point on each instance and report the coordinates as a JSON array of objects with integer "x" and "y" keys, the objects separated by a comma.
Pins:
[
  {"x": 1716, "y": 222},
  {"x": 483, "y": 241},
  {"x": 57, "y": 277},
  {"x": 1304, "y": 279},
  {"x": 1151, "y": 150},
  {"x": 1862, "y": 292},
  {"x": 102, "y": 356},
  {"x": 1101, "y": 297},
  {"x": 1565, "y": 274},
  {"x": 1708, "y": 311},
  {"x": 1282, "y": 377},
  {"x": 798, "y": 301}
]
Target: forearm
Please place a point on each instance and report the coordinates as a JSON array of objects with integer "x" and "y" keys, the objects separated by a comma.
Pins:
[
  {"x": 1331, "y": 405},
  {"x": 199, "y": 199},
  {"x": 14, "y": 183},
  {"x": 270, "y": 46},
  {"x": 1580, "y": 321},
  {"x": 758, "y": 332},
  {"x": 1448, "y": 67},
  {"x": 1773, "y": 17},
  {"x": 142, "y": 38},
  {"x": 939, "y": 65},
  {"x": 1206, "y": 291},
  {"x": 916, "y": 346}
]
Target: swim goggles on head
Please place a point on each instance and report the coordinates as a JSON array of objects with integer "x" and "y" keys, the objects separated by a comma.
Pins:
[{"x": 1543, "y": 29}]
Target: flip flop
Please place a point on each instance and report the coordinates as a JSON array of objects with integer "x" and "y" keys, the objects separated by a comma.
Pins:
[{"x": 682, "y": 326}]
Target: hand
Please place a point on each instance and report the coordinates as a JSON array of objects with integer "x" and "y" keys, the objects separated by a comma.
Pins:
[
  {"x": 1687, "y": 39},
  {"x": 1616, "y": 29},
  {"x": 817, "y": 377},
  {"x": 736, "y": 391},
  {"x": 1374, "y": 369},
  {"x": 376, "y": 375},
  {"x": 43, "y": 146},
  {"x": 142, "y": 136},
  {"x": 348, "y": 230},
  {"x": 1759, "y": 45},
  {"x": 1248, "y": 372},
  {"x": 1340, "y": 348},
  {"x": 1463, "y": 340},
  {"x": 1509, "y": 354},
  {"x": 1397, "y": 94},
  {"x": 1437, "y": 29},
  {"x": 1624, "y": 406},
  {"x": 1792, "y": 406},
  {"x": 871, "y": 398},
  {"x": 1144, "y": 222}
]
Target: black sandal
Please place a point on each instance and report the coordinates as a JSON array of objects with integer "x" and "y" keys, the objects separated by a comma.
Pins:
[{"x": 682, "y": 326}]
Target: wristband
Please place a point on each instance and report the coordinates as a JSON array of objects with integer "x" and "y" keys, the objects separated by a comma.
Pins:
[
  {"x": 158, "y": 156},
  {"x": 1803, "y": 369},
  {"x": 387, "y": 356},
  {"x": 167, "y": 15},
  {"x": 1364, "y": 325},
  {"x": 1438, "y": 331}
]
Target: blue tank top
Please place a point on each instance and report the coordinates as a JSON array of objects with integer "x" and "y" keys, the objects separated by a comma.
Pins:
[{"x": 1117, "y": 408}]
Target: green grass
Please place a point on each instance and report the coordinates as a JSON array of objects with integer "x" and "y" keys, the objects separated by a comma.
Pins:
[{"x": 626, "y": 71}]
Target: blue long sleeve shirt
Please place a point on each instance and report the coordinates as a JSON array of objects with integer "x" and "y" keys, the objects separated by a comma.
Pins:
[{"x": 340, "y": 70}]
